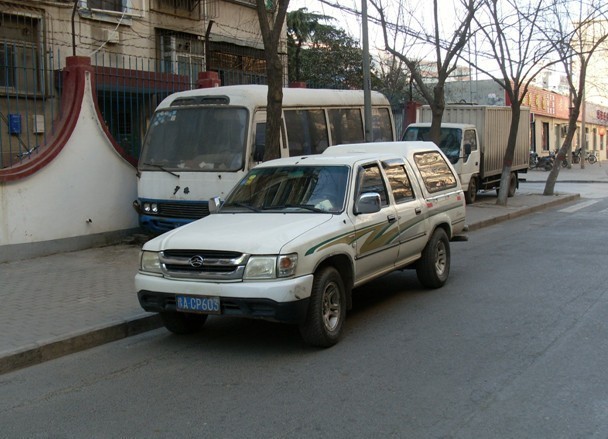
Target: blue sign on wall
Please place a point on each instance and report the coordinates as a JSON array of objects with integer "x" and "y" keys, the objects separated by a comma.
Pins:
[{"x": 14, "y": 124}]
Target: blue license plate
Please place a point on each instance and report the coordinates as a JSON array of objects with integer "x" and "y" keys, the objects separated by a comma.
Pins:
[{"x": 205, "y": 305}]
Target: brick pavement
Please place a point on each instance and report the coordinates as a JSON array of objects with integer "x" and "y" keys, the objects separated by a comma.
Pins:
[{"x": 59, "y": 304}]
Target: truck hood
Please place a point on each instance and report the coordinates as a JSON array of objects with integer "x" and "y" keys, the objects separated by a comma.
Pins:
[{"x": 252, "y": 233}]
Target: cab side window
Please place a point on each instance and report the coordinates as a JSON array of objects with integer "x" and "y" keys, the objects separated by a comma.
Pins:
[
  {"x": 370, "y": 180},
  {"x": 436, "y": 174},
  {"x": 400, "y": 183}
]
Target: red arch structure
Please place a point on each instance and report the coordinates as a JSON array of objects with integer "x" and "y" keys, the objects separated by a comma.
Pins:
[{"x": 74, "y": 81}]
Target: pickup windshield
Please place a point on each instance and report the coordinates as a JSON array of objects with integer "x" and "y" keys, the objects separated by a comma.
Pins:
[
  {"x": 290, "y": 189},
  {"x": 208, "y": 138},
  {"x": 450, "y": 140}
]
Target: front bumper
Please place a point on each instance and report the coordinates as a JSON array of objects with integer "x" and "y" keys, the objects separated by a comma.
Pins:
[
  {"x": 266, "y": 309},
  {"x": 283, "y": 300}
]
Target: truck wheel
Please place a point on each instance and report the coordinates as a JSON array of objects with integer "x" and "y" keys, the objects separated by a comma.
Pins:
[
  {"x": 182, "y": 323},
  {"x": 433, "y": 267},
  {"x": 326, "y": 310},
  {"x": 512, "y": 185},
  {"x": 471, "y": 193}
]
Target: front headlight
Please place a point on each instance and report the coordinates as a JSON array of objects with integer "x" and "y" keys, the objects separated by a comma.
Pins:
[
  {"x": 270, "y": 267},
  {"x": 149, "y": 262}
]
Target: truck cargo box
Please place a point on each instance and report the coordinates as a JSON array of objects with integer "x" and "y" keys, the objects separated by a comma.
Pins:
[{"x": 493, "y": 124}]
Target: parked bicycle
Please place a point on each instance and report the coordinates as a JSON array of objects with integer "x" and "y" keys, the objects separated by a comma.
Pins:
[{"x": 590, "y": 157}]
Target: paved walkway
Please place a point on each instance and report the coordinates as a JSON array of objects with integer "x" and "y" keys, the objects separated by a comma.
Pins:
[{"x": 60, "y": 304}]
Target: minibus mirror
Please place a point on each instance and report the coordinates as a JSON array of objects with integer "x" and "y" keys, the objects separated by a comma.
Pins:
[{"x": 214, "y": 204}]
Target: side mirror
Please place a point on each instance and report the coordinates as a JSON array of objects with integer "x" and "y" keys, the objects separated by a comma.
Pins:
[
  {"x": 368, "y": 202},
  {"x": 214, "y": 204}
]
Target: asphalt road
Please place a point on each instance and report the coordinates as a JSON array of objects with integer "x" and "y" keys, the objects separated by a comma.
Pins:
[{"x": 514, "y": 346}]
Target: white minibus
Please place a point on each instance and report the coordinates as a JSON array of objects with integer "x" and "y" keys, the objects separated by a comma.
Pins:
[{"x": 201, "y": 142}]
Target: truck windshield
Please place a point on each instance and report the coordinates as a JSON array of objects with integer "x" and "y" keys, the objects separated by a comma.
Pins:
[
  {"x": 206, "y": 138},
  {"x": 290, "y": 189},
  {"x": 450, "y": 140}
]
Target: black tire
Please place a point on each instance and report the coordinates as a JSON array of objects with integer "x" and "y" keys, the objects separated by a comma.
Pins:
[
  {"x": 433, "y": 268},
  {"x": 548, "y": 165},
  {"x": 183, "y": 323},
  {"x": 326, "y": 310},
  {"x": 470, "y": 194},
  {"x": 512, "y": 185},
  {"x": 592, "y": 159}
]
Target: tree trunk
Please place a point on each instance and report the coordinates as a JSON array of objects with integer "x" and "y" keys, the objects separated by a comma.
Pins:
[
  {"x": 507, "y": 162},
  {"x": 563, "y": 152},
  {"x": 437, "y": 108},
  {"x": 274, "y": 110}
]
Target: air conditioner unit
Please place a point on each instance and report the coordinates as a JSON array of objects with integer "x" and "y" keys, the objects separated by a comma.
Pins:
[
  {"x": 38, "y": 123},
  {"x": 111, "y": 36}
]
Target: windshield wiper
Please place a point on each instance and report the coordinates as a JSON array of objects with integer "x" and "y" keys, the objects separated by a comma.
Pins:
[
  {"x": 162, "y": 168},
  {"x": 299, "y": 206},
  {"x": 246, "y": 206}
]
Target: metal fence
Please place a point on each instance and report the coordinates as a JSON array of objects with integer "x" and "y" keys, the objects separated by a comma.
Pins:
[
  {"x": 128, "y": 90},
  {"x": 29, "y": 100}
]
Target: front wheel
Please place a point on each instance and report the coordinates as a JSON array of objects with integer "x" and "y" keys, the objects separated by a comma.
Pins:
[
  {"x": 592, "y": 159},
  {"x": 326, "y": 310},
  {"x": 182, "y": 323},
  {"x": 433, "y": 267},
  {"x": 471, "y": 193}
]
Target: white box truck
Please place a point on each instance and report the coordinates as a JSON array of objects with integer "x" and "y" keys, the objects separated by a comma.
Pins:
[{"x": 474, "y": 137}]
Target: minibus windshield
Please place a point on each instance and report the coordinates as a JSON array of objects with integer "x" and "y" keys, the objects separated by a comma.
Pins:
[{"x": 208, "y": 138}]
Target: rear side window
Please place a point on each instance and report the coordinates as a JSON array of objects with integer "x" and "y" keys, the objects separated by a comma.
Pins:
[
  {"x": 400, "y": 183},
  {"x": 435, "y": 172}
]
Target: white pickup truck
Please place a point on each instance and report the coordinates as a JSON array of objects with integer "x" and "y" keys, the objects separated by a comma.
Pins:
[{"x": 296, "y": 235}]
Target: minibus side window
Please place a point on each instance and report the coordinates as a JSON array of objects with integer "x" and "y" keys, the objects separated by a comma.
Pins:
[
  {"x": 381, "y": 125},
  {"x": 306, "y": 131},
  {"x": 346, "y": 125}
]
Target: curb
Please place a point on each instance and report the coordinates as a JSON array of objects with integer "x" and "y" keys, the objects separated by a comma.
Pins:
[
  {"x": 50, "y": 349},
  {"x": 518, "y": 213}
]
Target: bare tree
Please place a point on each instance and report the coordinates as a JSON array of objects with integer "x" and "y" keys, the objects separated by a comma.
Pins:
[
  {"x": 575, "y": 39},
  {"x": 512, "y": 40},
  {"x": 446, "y": 51},
  {"x": 271, "y": 15}
]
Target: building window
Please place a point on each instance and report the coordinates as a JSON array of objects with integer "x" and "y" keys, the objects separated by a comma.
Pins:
[
  {"x": 19, "y": 55},
  {"x": 181, "y": 54}
]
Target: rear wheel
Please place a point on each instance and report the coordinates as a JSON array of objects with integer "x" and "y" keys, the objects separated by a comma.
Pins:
[
  {"x": 182, "y": 323},
  {"x": 433, "y": 268},
  {"x": 592, "y": 159},
  {"x": 326, "y": 310},
  {"x": 471, "y": 194}
]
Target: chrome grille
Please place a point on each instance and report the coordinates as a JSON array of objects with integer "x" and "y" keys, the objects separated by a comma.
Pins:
[{"x": 203, "y": 264}]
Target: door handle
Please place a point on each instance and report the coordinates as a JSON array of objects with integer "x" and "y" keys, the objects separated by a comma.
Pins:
[
  {"x": 391, "y": 218},
  {"x": 417, "y": 211}
]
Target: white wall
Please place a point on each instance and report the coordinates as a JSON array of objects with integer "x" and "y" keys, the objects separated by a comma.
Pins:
[{"x": 86, "y": 190}]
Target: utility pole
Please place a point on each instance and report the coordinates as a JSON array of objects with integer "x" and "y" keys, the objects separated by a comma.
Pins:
[{"x": 367, "y": 96}]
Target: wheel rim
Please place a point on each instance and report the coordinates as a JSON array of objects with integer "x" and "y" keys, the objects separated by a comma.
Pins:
[
  {"x": 441, "y": 258},
  {"x": 331, "y": 306}
]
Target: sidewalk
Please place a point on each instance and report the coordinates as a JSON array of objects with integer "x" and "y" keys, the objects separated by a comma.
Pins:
[{"x": 60, "y": 304}]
